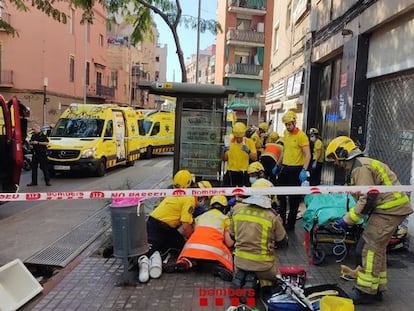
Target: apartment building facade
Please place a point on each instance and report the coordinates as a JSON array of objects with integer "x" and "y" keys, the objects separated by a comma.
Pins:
[
  {"x": 358, "y": 75},
  {"x": 45, "y": 64},
  {"x": 287, "y": 62},
  {"x": 134, "y": 63},
  {"x": 243, "y": 54},
  {"x": 206, "y": 59}
]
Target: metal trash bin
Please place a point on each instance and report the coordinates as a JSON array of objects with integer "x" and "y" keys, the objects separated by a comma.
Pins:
[{"x": 129, "y": 230}]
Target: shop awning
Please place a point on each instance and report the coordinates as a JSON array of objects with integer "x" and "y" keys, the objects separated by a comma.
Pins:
[{"x": 244, "y": 103}]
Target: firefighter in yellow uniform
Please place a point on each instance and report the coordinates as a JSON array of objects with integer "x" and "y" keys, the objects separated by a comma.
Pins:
[
  {"x": 238, "y": 155},
  {"x": 209, "y": 245},
  {"x": 170, "y": 223},
  {"x": 318, "y": 156},
  {"x": 257, "y": 229},
  {"x": 385, "y": 212},
  {"x": 259, "y": 137},
  {"x": 294, "y": 170}
]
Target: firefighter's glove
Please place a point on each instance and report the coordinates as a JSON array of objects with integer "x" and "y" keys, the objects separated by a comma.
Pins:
[
  {"x": 231, "y": 202},
  {"x": 314, "y": 164},
  {"x": 303, "y": 175},
  {"x": 275, "y": 169},
  {"x": 245, "y": 149},
  {"x": 282, "y": 243},
  {"x": 339, "y": 224}
]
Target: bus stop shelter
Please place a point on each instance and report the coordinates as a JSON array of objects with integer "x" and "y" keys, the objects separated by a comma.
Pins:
[{"x": 200, "y": 125}]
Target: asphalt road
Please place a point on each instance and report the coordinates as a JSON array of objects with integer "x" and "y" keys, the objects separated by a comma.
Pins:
[{"x": 28, "y": 227}]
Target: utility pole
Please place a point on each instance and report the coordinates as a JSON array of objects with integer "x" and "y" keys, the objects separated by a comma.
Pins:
[
  {"x": 45, "y": 83},
  {"x": 198, "y": 40},
  {"x": 85, "y": 60}
]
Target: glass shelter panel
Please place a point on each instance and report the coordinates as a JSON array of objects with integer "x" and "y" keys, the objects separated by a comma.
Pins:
[{"x": 201, "y": 139}]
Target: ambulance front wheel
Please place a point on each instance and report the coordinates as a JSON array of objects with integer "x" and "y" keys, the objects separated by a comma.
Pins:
[
  {"x": 149, "y": 152},
  {"x": 101, "y": 169}
]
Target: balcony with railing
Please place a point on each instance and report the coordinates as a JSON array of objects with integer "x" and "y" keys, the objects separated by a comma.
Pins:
[
  {"x": 100, "y": 91},
  {"x": 253, "y": 7},
  {"x": 250, "y": 71},
  {"x": 6, "y": 78},
  {"x": 245, "y": 37}
]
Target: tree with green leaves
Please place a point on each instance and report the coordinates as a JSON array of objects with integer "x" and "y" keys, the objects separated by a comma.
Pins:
[{"x": 136, "y": 12}]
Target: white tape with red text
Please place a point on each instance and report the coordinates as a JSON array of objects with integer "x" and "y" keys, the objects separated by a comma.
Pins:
[{"x": 157, "y": 193}]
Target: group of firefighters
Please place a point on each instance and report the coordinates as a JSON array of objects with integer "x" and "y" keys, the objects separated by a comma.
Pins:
[{"x": 236, "y": 238}]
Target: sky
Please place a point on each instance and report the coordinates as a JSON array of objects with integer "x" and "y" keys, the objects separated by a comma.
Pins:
[{"x": 188, "y": 37}]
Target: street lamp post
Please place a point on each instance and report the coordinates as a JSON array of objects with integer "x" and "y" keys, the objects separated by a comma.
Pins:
[{"x": 45, "y": 83}]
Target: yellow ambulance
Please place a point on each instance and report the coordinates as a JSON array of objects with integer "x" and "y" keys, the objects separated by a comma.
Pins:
[
  {"x": 158, "y": 127},
  {"x": 92, "y": 138}
]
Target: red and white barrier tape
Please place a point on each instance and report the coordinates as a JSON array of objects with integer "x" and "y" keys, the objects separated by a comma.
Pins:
[{"x": 157, "y": 193}]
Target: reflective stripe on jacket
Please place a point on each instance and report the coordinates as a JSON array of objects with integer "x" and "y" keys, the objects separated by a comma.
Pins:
[
  {"x": 255, "y": 230},
  {"x": 368, "y": 171},
  {"x": 207, "y": 240}
]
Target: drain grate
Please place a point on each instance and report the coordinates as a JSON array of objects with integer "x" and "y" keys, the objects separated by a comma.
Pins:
[{"x": 63, "y": 250}]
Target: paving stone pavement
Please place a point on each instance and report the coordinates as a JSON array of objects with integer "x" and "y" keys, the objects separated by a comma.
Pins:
[{"x": 94, "y": 284}]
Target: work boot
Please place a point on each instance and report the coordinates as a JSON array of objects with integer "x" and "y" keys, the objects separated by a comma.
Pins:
[
  {"x": 378, "y": 296},
  {"x": 155, "y": 265},
  {"x": 183, "y": 264},
  {"x": 31, "y": 184},
  {"x": 361, "y": 298},
  {"x": 238, "y": 279},
  {"x": 223, "y": 273},
  {"x": 143, "y": 265}
]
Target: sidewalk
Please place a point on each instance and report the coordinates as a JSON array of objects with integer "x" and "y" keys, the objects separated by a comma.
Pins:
[{"x": 90, "y": 283}]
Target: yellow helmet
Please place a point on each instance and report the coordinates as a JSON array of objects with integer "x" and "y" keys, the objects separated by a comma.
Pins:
[
  {"x": 262, "y": 182},
  {"x": 313, "y": 131},
  {"x": 342, "y": 148},
  {"x": 218, "y": 199},
  {"x": 289, "y": 116},
  {"x": 273, "y": 137},
  {"x": 204, "y": 184},
  {"x": 239, "y": 129},
  {"x": 255, "y": 167},
  {"x": 264, "y": 126},
  {"x": 182, "y": 179}
]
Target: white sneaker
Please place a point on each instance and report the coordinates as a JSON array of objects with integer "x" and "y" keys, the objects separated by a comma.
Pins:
[
  {"x": 143, "y": 265},
  {"x": 155, "y": 265}
]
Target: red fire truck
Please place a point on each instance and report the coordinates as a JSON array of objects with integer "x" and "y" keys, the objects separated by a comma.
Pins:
[{"x": 11, "y": 152}]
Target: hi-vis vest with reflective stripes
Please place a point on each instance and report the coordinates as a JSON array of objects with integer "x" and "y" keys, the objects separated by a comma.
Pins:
[
  {"x": 207, "y": 240},
  {"x": 399, "y": 198},
  {"x": 394, "y": 203},
  {"x": 254, "y": 234}
]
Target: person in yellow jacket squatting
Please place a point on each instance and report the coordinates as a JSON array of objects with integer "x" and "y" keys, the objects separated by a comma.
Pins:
[
  {"x": 208, "y": 246},
  {"x": 168, "y": 227},
  {"x": 385, "y": 212},
  {"x": 257, "y": 230},
  {"x": 238, "y": 155}
]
